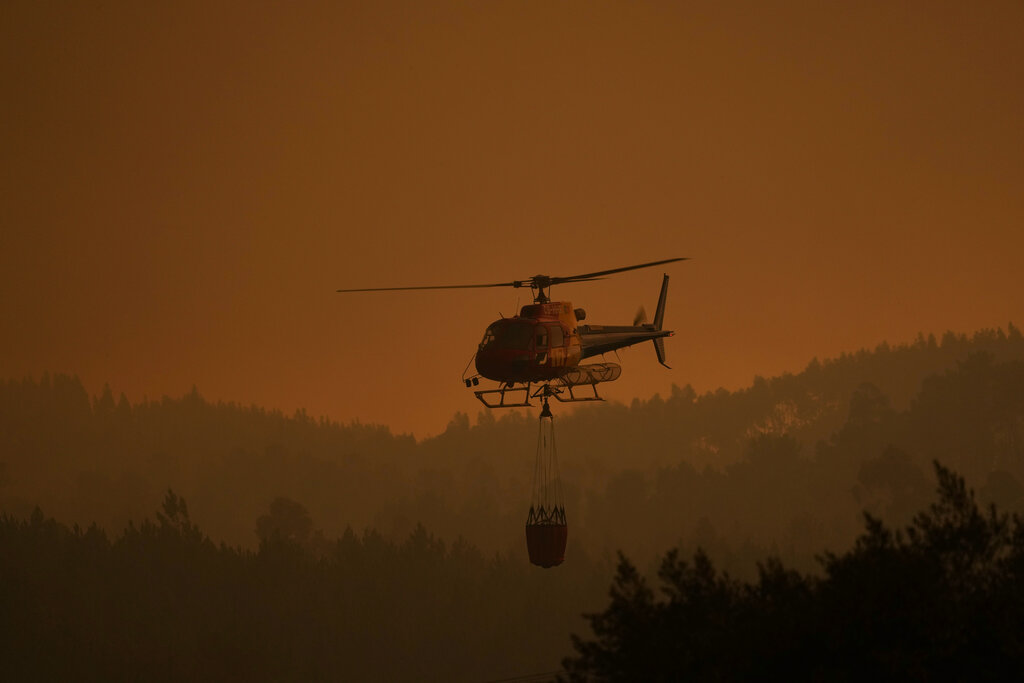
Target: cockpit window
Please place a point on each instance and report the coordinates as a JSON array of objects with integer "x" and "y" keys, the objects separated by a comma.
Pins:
[
  {"x": 510, "y": 335},
  {"x": 542, "y": 337}
]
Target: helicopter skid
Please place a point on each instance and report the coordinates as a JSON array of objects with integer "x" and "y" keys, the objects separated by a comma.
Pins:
[
  {"x": 559, "y": 390},
  {"x": 501, "y": 393},
  {"x": 573, "y": 398}
]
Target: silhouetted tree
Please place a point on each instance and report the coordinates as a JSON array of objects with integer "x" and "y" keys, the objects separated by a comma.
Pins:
[
  {"x": 287, "y": 521},
  {"x": 940, "y": 600}
]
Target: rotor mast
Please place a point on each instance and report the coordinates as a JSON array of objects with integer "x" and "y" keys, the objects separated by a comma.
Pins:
[{"x": 538, "y": 285}]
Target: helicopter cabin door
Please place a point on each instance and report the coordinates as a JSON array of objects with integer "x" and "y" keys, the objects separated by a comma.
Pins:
[
  {"x": 553, "y": 339},
  {"x": 540, "y": 345}
]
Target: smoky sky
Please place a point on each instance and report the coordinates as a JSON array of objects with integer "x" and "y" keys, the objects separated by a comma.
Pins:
[{"x": 186, "y": 185}]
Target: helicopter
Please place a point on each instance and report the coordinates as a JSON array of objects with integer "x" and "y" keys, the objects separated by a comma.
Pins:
[{"x": 539, "y": 351}]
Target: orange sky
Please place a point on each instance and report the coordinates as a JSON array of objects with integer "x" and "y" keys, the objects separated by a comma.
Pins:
[{"x": 185, "y": 186}]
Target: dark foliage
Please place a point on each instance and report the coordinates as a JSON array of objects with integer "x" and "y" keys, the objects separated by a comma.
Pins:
[
  {"x": 941, "y": 600},
  {"x": 784, "y": 465},
  {"x": 780, "y": 469},
  {"x": 162, "y": 602}
]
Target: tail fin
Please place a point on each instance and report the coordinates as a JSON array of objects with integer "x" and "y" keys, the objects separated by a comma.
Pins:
[
  {"x": 659, "y": 314},
  {"x": 659, "y": 317}
]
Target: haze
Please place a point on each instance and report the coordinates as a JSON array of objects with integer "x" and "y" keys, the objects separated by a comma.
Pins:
[{"x": 186, "y": 185}]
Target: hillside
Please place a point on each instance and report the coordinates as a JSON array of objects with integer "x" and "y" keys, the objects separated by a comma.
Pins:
[{"x": 784, "y": 464}]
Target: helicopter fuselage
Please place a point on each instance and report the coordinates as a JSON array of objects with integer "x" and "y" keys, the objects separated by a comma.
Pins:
[
  {"x": 546, "y": 341},
  {"x": 537, "y": 345}
]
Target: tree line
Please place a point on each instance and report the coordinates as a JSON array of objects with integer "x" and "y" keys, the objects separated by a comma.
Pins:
[
  {"x": 784, "y": 465},
  {"x": 161, "y": 601},
  {"x": 782, "y": 469},
  {"x": 941, "y": 599}
]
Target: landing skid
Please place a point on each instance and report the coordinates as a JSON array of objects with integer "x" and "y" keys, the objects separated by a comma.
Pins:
[
  {"x": 557, "y": 389},
  {"x": 573, "y": 398},
  {"x": 502, "y": 392}
]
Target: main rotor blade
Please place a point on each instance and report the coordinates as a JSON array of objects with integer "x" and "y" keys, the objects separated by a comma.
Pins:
[
  {"x": 397, "y": 289},
  {"x": 535, "y": 282},
  {"x": 572, "y": 278}
]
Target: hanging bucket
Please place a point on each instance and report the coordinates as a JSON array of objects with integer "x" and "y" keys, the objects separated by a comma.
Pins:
[
  {"x": 546, "y": 530},
  {"x": 546, "y": 535}
]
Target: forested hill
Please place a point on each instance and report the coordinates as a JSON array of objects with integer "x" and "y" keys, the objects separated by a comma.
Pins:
[
  {"x": 715, "y": 428},
  {"x": 784, "y": 464}
]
